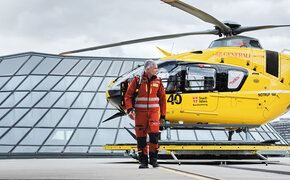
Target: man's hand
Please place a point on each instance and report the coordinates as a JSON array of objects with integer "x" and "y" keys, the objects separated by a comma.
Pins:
[
  {"x": 132, "y": 115},
  {"x": 161, "y": 120}
]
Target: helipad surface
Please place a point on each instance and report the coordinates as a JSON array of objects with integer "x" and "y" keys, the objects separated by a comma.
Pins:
[{"x": 127, "y": 168}]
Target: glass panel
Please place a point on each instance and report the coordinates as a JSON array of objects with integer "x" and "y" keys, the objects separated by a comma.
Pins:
[
  {"x": 3, "y": 112},
  {"x": 272, "y": 135},
  {"x": 49, "y": 99},
  {"x": 12, "y": 117},
  {"x": 2, "y": 131},
  {"x": 102, "y": 69},
  {"x": 203, "y": 135},
  {"x": 5, "y": 149},
  {"x": 244, "y": 136},
  {"x": 14, "y": 135},
  {"x": 10, "y": 66},
  {"x": 126, "y": 121},
  {"x": 127, "y": 66},
  {"x": 64, "y": 66},
  {"x": 236, "y": 136},
  {"x": 64, "y": 84},
  {"x": 72, "y": 118},
  {"x": 265, "y": 136},
  {"x": 138, "y": 63},
  {"x": 105, "y": 136},
  {"x": 219, "y": 135},
  {"x": 76, "y": 149},
  {"x": 32, "y": 117},
  {"x": 51, "y": 118},
  {"x": 124, "y": 137},
  {"x": 99, "y": 101},
  {"x": 82, "y": 137},
  {"x": 186, "y": 135},
  {"x": 30, "y": 82},
  {"x": 200, "y": 79},
  {"x": 257, "y": 136},
  {"x": 46, "y": 66},
  {"x": 13, "y": 99},
  {"x": 3, "y": 80},
  {"x": 267, "y": 128},
  {"x": 78, "y": 84},
  {"x": 79, "y": 67},
  {"x": 48, "y": 83},
  {"x": 83, "y": 100},
  {"x": 114, "y": 123},
  {"x": 3, "y": 95},
  {"x": 13, "y": 83},
  {"x": 25, "y": 149},
  {"x": 115, "y": 68},
  {"x": 51, "y": 149},
  {"x": 59, "y": 137},
  {"x": 36, "y": 136},
  {"x": 31, "y": 99},
  {"x": 93, "y": 84},
  {"x": 164, "y": 135},
  {"x": 92, "y": 118},
  {"x": 67, "y": 99},
  {"x": 90, "y": 69},
  {"x": 259, "y": 129},
  {"x": 107, "y": 81},
  {"x": 30, "y": 65}
]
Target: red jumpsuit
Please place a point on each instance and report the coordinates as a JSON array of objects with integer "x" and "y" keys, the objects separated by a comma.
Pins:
[{"x": 150, "y": 97}]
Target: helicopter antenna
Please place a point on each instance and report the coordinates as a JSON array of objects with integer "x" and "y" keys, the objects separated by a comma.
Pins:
[{"x": 172, "y": 48}]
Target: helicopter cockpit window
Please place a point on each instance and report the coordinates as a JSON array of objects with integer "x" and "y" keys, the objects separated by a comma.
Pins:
[
  {"x": 164, "y": 73},
  {"x": 129, "y": 75},
  {"x": 200, "y": 79},
  {"x": 171, "y": 79},
  {"x": 235, "y": 78},
  {"x": 255, "y": 43},
  {"x": 236, "y": 42}
]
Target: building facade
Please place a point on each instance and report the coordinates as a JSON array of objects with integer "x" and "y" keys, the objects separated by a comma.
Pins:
[{"x": 283, "y": 128}]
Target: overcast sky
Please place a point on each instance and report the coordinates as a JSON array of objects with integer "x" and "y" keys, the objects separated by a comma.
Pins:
[{"x": 54, "y": 26}]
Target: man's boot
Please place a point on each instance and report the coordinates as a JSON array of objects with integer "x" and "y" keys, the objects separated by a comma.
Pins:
[
  {"x": 143, "y": 159},
  {"x": 153, "y": 159}
]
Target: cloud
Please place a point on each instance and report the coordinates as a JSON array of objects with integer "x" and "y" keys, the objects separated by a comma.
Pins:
[{"x": 53, "y": 26}]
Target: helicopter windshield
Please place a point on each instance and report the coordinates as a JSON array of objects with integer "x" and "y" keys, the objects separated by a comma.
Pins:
[
  {"x": 130, "y": 74},
  {"x": 163, "y": 66},
  {"x": 236, "y": 42}
]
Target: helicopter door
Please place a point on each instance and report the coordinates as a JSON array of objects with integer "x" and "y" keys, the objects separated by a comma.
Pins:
[{"x": 199, "y": 86}]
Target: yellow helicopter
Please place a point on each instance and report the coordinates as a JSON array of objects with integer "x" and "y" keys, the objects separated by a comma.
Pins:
[{"x": 234, "y": 84}]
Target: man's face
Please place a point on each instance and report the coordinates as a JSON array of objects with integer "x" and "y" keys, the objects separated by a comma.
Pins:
[{"x": 152, "y": 70}]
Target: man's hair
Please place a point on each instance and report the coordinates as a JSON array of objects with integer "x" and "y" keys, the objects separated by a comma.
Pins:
[{"x": 148, "y": 64}]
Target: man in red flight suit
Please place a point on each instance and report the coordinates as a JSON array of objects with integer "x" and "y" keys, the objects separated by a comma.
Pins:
[{"x": 150, "y": 96}]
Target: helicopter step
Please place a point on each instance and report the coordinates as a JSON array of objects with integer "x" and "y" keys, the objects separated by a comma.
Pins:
[{"x": 221, "y": 151}]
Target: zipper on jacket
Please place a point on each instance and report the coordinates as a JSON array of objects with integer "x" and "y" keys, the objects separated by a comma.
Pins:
[{"x": 148, "y": 95}]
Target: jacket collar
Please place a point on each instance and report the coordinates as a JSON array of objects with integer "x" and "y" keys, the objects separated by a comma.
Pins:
[{"x": 146, "y": 77}]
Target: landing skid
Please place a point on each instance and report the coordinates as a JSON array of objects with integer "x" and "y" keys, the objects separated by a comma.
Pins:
[{"x": 231, "y": 127}]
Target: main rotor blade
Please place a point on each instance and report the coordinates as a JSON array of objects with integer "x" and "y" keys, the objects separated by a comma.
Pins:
[
  {"x": 254, "y": 28},
  {"x": 215, "y": 32},
  {"x": 200, "y": 14}
]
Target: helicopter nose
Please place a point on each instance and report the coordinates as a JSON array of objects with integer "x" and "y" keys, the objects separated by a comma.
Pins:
[{"x": 114, "y": 95}]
